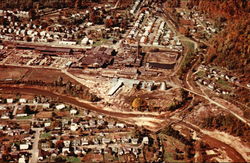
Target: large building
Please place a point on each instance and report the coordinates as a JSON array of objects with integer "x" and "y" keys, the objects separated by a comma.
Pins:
[{"x": 162, "y": 60}]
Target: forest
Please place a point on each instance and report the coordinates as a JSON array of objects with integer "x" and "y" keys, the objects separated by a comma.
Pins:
[
  {"x": 230, "y": 48},
  {"x": 27, "y": 5},
  {"x": 227, "y": 123}
]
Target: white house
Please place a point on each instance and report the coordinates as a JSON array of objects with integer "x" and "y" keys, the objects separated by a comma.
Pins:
[
  {"x": 22, "y": 100},
  {"x": 85, "y": 41},
  {"x": 10, "y": 100},
  {"x": 66, "y": 143},
  {"x": 60, "y": 107},
  {"x": 47, "y": 124},
  {"x": 134, "y": 141},
  {"x": 24, "y": 146},
  {"x": 120, "y": 125},
  {"x": 73, "y": 111},
  {"x": 22, "y": 115},
  {"x": 67, "y": 42},
  {"x": 2, "y": 108},
  {"x": 5, "y": 116},
  {"x": 73, "y": 127},
  {"x": 145, "y": 140},
  {"x": 21, "y": 160},
  {"x": 106, "y": 140},
  {"x": 65, "y": 150},
  {"x": 85, "y": 141}
]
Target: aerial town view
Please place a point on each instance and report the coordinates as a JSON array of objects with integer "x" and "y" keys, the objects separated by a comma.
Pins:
[{"x": 161, "y": 81}]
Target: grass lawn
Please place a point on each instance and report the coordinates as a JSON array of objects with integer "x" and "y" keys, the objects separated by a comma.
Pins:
[
  {"x": 170, "y": 145},
  {"x": 190, "y": 45},
  {"x": 190, "y": 55},
  {"x": 200, "y": 74},
  {"x": 108, "y": 157},
  {"x": 27, "y": 117},
  {"x": 101, "y": 42},
  {"x": 169, "y": 157},
  {"x": 223, "y": 84},
  {"x": 187, "y": 62},
  {"x": 73, "y": 160},
  {"x": 45, "y": 135}
]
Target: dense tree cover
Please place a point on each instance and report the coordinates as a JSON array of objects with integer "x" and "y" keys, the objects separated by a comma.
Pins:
[
  {"x": 230, "y": 48},
  {"x": 187, "y": 140},
  {"x": 75, "y": 90},
  {"x": 189, "y": 60},
  {"x": 217, "y": 8},
  {"x": 59, "y": 85},
  {"x": 174, "y": 3},
  {"x": 139, "y": 104},
  {"x": 227, "y": 123},
  {"x": 170, "y": 131},
  {"x": 31, "y": 4}
]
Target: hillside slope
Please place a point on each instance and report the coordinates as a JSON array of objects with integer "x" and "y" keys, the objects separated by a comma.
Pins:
[{"x": 230, "y": 48}]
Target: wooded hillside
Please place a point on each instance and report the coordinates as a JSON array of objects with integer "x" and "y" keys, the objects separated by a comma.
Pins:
[{"x": 230, "y": 48}]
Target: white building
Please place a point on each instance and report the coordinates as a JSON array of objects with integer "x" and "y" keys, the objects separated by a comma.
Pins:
[
  {"x": 134, "y": 141},
  {"x": 24, "y": 146},
  {"x": 85, "y": 41},
  {"x": 67, "y": 42},
  {"x": 73, "y": 111},
  {"x": 5, "y": 116},
  {"x": 47, "y": 124},
  {"x": 60, "y": 107},
  {"x": 115, "y": 88},
  {"x": 21, "y": 160},
  {"x": 145, "y": 140},
  {"x": 10, "y": 100},
  {"x": 22, "y": 115},
  {"x": 73, "y": 127},
  {"x": 120, "y": 125},
  {"x": 22, "y": 100}
]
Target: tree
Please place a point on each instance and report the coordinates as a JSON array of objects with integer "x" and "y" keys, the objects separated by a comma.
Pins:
[
  {"x": 18, "y": 96},
  {"x": 59, "y": 144},
  {"x": 136, "y": 104},
  {"x": 124, "y": 23},
  {"x": 28, "y": 110},
  {"x": 32, "y": 14},
  {"x": 78, "y": 4},
  {"x": 108, "y": 23},
  {"x": 68, "y": 86},
  {"x": 78, "y": 87},
  {"x": 184, "y": 94},
  {"x": 184, "y": 31},
  {"x": 60, "y": 159},
  {"x": 92, "y": 16}
]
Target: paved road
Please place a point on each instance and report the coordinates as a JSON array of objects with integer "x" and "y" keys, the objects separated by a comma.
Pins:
[
  {"x": 117, "y": 3},
  {"x": 35, "y": 150},
  {"x": 15, "y": 110}
]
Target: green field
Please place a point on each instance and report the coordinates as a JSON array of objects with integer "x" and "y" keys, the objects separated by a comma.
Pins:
[
  {"x": 73, "y": 159},
  {"x": 27, "y": 117},
  {"x": 45, "y": 135}
]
